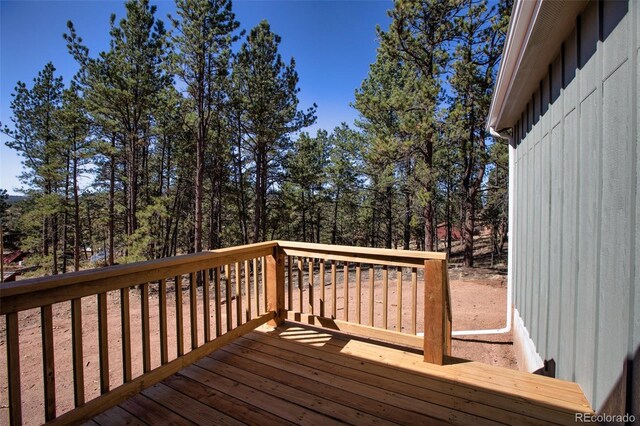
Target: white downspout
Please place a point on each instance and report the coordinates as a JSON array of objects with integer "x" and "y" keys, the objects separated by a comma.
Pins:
[{"x": 507, "y": 327}]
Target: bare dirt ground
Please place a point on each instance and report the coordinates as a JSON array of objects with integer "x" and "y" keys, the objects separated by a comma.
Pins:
[{"x": 478, "y": 299}]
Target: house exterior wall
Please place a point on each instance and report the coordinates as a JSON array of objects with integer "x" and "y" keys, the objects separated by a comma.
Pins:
[{"x": 575, "y": 223}]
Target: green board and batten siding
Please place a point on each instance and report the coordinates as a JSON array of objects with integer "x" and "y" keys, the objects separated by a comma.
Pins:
[{"x": 576, "y": 215}]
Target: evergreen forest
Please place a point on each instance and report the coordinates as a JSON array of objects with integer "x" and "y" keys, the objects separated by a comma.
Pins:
[{"x": 191, "y": 135}]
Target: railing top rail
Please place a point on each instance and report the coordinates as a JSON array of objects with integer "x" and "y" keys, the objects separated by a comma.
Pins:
[
  {"x": 363, "y": 251},
  {"x": 57, "y": 288},
  {"x": 113, "y": 272}
]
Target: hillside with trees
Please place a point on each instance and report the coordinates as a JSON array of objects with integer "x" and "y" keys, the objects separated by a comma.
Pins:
[{"x": 192, "y": 136}]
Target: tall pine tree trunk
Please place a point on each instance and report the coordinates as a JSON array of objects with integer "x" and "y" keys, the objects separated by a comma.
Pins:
[
  {"x": 65, "y": 227},
  {"x": 429, "y": 210},
  {"x": 112, "y": 186},
  {"x": 407, "y": 220},
  {"x": 448, "y": 218},
  {"x": 260, "y": 214},
  {"x": 263, "y": 208},
  {"x": 76, "y": 210},
  {"x": 318, "y": 220},
  {"x": 241, "y": 192},
  {"x": 257, "y": 214},
  {"x": 389, "y": 217},
  {"x": 334, "y": 230},
  {"x": 54, "y": 243},
  {"x": 304, "y": 219},
  {"x": 199, "y": 188},
  {"x": 469, "y": 225},
  {"x": 132, "y": 184}
]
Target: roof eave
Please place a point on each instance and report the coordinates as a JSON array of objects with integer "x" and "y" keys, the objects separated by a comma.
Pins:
[{"x": 522, "y": 22}]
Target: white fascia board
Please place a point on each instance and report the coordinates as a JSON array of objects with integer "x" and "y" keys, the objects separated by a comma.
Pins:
[{"x": 522, "y": 22}]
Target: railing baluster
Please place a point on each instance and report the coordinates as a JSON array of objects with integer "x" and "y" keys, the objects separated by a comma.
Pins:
[
  {"x": 206, "y": 305},
  {"x": 300, "y": 288},
  {"x": 247, "y": 285},
  {"x": 414, "y": 299},
  {"x": 264, "y": 282},
  {"x": 76, "y": 341},
  {"x": 399, "y": 295},
  {"x": 385, "y": 295},
  {"x": 217, "y": 290},
  {"x": 228, "y": 297},
  {"x": 238, "y": 295},
  {"x": 372, "y": 274},
  {"x": 48, "y": 368},
  {"x": 322, "y": 291},
  {"x": 103, "y": 343},
  {"x": 345, "y": 276},
  {"x": 290, "y": 282},
  {"x": 334, "y": 298},
  {"x": 179, "y": 316},
  {"x": 256, "y": 291},
  {"x": 13, "y": 366},
  {"x": 144, "y": 318},
  {"x": 358, "y": 291},
  {"x": 162, "y": 314},
  {"x": 311, "y": 292},
  {"x": 193, "y": 308},
  {"x": 125, "y": 324}
]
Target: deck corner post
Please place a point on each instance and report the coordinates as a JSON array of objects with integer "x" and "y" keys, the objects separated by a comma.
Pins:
[
  {"x": 448, "y": 319},
  {"x": 434, "y": 311},
  {"x": 275, "y": 286}
]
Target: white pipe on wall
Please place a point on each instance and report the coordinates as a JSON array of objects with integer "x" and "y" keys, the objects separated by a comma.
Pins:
[{"x": 507, "y": 327}]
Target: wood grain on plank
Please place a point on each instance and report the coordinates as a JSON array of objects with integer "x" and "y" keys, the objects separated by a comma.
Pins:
[
  {"x": 103, "y": 343},
  {"x": 179, "y": 316},
  {"x": 189, "y": 408},
  {"x": 162, "y": 318},
  {"x": 371, "y": 374},
  {"x": 337, "y": 392},
  {"x": 192, "y": 382},
  {"x": 146, "y": 337},
  {"x": 193, "y": 308},
  {"x": 151, "y": 412},
  {"x": 77, "y": 353},
  {"x": 126, "y": 390},
  {"x": 48, "y": 364},
  {"x": 13, "y": 366}
]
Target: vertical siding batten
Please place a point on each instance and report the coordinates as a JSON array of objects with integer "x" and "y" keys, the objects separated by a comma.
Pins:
[
  {"x": 589, "y": 105},
  {"x": 617, "y": 170},
  {"x": 577, "y": 178}
]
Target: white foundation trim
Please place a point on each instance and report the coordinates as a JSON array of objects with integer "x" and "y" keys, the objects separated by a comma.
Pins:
[{"x": 526, "y": 354}]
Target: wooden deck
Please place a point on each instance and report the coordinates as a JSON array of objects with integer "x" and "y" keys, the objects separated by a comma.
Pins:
[{"x": 296, "y": 374}]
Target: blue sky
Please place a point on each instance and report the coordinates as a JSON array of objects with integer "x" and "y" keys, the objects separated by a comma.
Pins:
[{"x": 333, "y": 43}]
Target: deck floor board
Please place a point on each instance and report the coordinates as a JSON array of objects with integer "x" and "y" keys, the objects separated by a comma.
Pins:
[{"x": 296, "y": 374}]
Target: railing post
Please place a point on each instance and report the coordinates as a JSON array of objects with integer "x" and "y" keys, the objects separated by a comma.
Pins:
[
  {"x": 447, "y": 314},
  {"x": 275, "y": 285},
  {"x": 434, "y": 311}
]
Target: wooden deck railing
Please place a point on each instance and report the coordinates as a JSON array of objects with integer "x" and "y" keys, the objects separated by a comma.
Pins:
[
  {"x": 209, "y": 269},
  {"x": 255, "y": 278},
  {"x": 311, "y": 268}
]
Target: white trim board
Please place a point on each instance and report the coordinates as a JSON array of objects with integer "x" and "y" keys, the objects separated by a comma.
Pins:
[{"x": 526, "y": 354}]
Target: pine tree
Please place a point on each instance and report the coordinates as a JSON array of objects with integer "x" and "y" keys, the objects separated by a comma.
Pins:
[
  {"x": 34, "y": 137},
  {"x": 203, "y": 37},
  {"x": 306, "y": 169},
  {"x": 344, "y": 181},
  {"x": 420, "y": 34},
  {"x": 121, "y": 88},
  {"x": 477, "y": 54},
  {"x": 266, "y": 91},
  {"x": 72, "y": 127}
]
